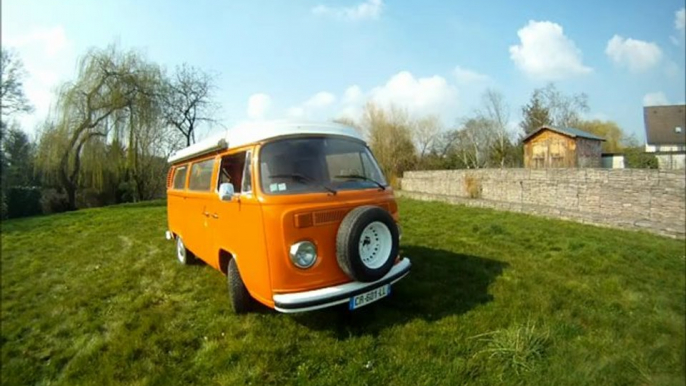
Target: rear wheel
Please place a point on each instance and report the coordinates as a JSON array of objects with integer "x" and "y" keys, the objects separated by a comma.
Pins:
[
  {"x": 182, "y": 253},
  {"x": 241, "y": 301}
]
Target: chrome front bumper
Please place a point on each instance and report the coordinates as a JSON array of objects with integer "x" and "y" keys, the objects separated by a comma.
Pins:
[{"x": 339, "y": 294}]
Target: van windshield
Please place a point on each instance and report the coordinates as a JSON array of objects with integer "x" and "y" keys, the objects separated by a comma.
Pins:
[{"x": 318, "y": 164}]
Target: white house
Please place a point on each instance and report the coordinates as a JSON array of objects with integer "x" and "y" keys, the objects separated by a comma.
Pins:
[{"x": 666, "y": 135}]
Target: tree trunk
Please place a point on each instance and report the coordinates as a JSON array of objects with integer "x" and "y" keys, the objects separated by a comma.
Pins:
[{"x": 71, "y": 196}]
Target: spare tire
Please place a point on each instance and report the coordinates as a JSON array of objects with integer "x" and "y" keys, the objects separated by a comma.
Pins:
[{"x": 367, "y": 243}]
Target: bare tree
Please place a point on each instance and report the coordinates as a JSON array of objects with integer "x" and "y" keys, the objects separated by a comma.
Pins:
[
  {"x": 390, "y": 138},
  {"x": 187, "y": 100},
  {"x": 474, "y": 142},
  {"x": 425, "y": 131},
  {"x": 12, "y": 97},
  {"x": 564, "y": 110},
  {"x": 496, "y": 113}
]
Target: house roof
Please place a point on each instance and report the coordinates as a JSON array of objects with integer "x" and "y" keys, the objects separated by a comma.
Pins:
[
  {"x": 661, "y": 124},
  {"x": 257, "y": 131},
  {"x": 568, "y": 131}
]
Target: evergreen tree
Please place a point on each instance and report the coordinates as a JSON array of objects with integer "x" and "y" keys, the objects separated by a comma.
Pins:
[{"x": 535, "y": 114}]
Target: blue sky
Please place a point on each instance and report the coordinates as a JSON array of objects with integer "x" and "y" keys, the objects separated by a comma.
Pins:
[{"x": 320, "y": 59}]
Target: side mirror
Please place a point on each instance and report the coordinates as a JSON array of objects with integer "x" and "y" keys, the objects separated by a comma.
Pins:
[{"x": 226, "y": 191}]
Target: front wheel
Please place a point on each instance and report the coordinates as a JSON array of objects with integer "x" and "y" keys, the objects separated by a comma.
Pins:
[{"x": 241, "y": 301}]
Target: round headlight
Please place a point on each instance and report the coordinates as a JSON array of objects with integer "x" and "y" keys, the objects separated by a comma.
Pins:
[{"x": 303, "y": 254}]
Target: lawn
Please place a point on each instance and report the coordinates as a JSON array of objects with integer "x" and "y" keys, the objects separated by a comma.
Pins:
[{"x": 97, "y": 297}]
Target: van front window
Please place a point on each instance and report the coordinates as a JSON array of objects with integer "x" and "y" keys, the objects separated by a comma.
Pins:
[{"x": 321, "y": 164}]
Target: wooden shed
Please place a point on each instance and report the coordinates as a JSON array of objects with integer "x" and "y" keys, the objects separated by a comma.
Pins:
[{"x": 552, "y": 147}]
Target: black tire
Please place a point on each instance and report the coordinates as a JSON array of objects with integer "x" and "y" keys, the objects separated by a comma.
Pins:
[
  {"x": 183, "y": 255},
  {"x": 241, "y": 301},
  {"x": 348, "y": 241}
]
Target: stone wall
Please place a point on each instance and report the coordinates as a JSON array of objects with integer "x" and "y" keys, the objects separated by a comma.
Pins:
[{"x": 649, "y": 200}]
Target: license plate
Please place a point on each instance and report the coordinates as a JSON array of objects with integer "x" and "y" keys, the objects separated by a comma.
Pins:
[{"x": 369, "y": 297}]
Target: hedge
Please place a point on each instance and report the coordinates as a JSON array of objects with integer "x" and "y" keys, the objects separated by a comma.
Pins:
[{"x": 23, "y": 201}]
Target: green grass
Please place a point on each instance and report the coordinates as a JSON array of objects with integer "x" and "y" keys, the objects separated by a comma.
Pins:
[{"x": 97, "y": 297}]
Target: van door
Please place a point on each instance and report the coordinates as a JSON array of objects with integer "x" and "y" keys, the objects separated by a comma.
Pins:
[
  {"x": 199, "y": 197},
  {"x": 176, "y": 201},
  {"x": 238, "y": 225},
  {"x": 226, "y": 215}
]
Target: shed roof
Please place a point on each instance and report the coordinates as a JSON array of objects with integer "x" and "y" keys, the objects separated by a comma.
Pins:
[
  {"x": 661, "y": 123},
  {"x": 258, "y": 131},
  {"x": 568, "y": 131}
]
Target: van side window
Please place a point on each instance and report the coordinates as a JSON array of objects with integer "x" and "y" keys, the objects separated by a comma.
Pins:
[
  {"x": 180, "y": 177},
  {"x": 232, "y": 170},
  {"x": 201, "y": 175},
  {"x": 247, "y": 175}
]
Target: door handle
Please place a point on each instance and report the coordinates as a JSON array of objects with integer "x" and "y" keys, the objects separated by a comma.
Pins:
[{"x": 214, "y": 215}]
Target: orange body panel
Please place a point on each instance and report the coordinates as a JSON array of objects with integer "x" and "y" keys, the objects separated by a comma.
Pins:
[{"x": 258, "y": 229}]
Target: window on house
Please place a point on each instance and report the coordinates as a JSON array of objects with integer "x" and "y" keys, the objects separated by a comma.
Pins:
[
  {"x": 180, "y": 177},
  {"x": 201, "y": 176}
]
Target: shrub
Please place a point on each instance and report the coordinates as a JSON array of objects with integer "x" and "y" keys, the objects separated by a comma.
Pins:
[
  {"x": 23, "y": 201},
  {"x": 516, "y": 348},
  {"x": 125, "y": 192},
  {"x": 53, "y": 201},
  {"x": 472, "y": 186},
  {"x": 90, "y": 198},
  {"x": 3, "y": 207},
  {"x": 636, "y": 158}
]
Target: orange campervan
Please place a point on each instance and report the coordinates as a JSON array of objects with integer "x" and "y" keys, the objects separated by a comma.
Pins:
[{"x": 297, "y": 215}]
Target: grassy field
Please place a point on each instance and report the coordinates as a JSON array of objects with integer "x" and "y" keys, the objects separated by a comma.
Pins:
[{"x": 97, "y": 297}]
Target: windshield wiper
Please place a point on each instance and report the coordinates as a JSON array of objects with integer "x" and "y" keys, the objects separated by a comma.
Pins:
[
  {"x": 361, "y": 177},
  {"x": 302, "y": 177}
]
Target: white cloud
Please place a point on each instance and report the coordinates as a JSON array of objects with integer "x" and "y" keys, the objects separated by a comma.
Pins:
[
  {"x": 295, "y": 112},
  {"x": 466, "y": 76},
  {"x": 546, "y": 53},
  {"x": 636, "y": 55},
  {"x": 51, "y": 40},
  {"x": 317, "y": 107},
  {"x": 432, "y": 95},
  {"x": 655, "y": 99},
  {"x": 368, "y": 10},
  {"x": 353, "y": 95},
  {"x": 48, "y": 57},
  {"x": 680, "y": 20},
  {"x": 258, "y": 105},
  {"x": 420, "y": 96},
  {"x": 352, "y": 102},
  {"x": 320, "y": 100}
]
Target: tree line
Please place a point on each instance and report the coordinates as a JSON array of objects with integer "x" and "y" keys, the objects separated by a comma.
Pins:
[
  {"x": 112, "y": 128},
  {"x": 484, "y": 138},
  {"x": 108, "y": 135}
]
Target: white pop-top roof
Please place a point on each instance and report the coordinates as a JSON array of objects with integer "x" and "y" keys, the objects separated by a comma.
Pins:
[{"x": 257, "y": 131}]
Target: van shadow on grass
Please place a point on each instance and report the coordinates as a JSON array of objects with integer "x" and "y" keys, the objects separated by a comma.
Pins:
[{"x": 440, "y": 284}]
